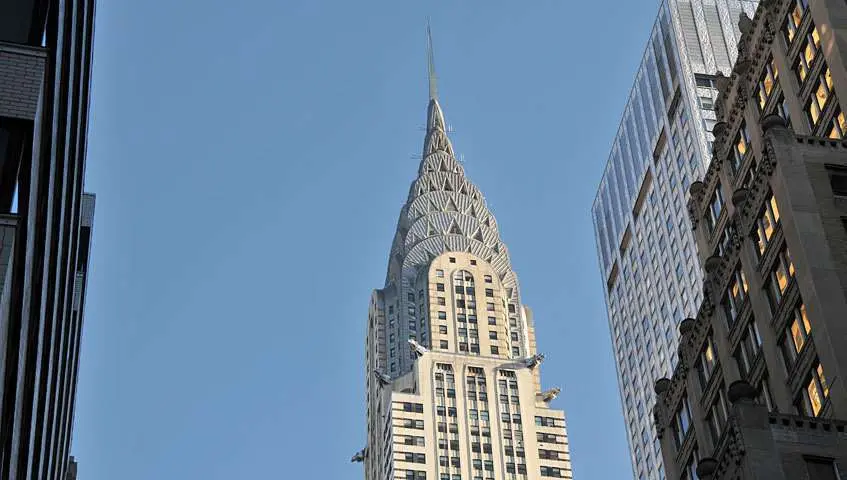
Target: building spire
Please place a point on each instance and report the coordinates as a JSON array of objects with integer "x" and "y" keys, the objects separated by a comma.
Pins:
[{"x": 430, "y": 67}]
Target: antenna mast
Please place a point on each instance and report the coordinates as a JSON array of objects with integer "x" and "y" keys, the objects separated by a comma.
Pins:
[{"x": 433, "y": 86}]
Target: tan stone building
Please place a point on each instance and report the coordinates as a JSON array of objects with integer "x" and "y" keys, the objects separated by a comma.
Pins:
[
  {"x": 757, "y": 392},
  {"x": 453, "y": 386}
]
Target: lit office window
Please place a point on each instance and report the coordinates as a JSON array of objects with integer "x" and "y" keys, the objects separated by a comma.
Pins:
[
  {"x": 766, "y": 224},
  {"x": 735, "y": 296},
  {"x": 807, "y": 56},
  {"x": 838, "y": 126},
  {"x": 780, "y": 275},
  {"x": 814, "y": 393},
  {"x": 742, "y": 146},
  {"x": 796, "y": 334},
  {"x": 795, "y": 16},
  {"x": 820, "y": 96},
  {"x": 767, "y": 82}
]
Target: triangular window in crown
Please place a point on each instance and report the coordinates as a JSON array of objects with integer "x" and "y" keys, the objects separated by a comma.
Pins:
[
  {"x": 497, "y": 247},
  {"x": 464, "y": 189},
  {"x": 432, "y": 187},
  {"x": 487, "y": 223},
  {"x": 451, "y": 206},
  {"x": 444, "y": 166},
  {"x": 478, "y": 236},
  {"x": 447, "y": 186},
  {"x": 454, "y": 229},
  {"x": 472, "y": 211},
  {"x": 429, "y": 230},
  {"x": 433, "y": 207}
]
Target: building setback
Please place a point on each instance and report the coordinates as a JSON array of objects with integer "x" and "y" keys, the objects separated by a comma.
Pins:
[
  {"x": 452, "y": 372},
  {"x": 758, "y": 391},
  {"x": 646, "y": 253},
  {"x": 45, "y": 228}
]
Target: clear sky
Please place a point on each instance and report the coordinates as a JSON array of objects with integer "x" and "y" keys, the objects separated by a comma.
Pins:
[{"x": 250, "y": 159}]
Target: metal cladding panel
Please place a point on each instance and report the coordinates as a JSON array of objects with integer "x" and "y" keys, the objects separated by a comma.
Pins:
[{"x": 689, "y": 32}]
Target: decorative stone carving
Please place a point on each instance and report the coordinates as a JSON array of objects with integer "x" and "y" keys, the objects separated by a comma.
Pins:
[
  {"x": 745, "y": 23},
  {"x": 713, "y": 263},
  {"x": 741, "y": 390},
  {"x": 740, "y": 196},
  {"x": 771, "y": 121},
  {"x": 662, "y": 385},
  {"x": 719, "y": 129},
  {"x": 706, "y": 468},
  {"x": 686, "y": 326},
  {"x": 551, "y": 394}
]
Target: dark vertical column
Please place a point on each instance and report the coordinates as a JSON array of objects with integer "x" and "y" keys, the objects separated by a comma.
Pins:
[{"x": 49, "y": 261}]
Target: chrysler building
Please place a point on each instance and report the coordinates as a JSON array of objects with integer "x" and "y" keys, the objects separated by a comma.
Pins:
[{"x": 452, "y": 372}]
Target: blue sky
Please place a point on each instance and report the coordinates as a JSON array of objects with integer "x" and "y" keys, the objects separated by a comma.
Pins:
[{"x": 250, "y": 159}]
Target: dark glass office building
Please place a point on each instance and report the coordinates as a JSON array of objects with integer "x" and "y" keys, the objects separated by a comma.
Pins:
[{"x": 45, "y": 228}]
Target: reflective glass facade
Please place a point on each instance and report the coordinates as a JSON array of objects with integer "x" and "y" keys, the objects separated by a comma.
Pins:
[{"x": 645, "y": 246}]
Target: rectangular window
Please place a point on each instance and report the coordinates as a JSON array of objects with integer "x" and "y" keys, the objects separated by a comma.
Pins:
[
  {"x": 815, "y": 392},
  {"x": 782, "y": 110},
  {"x": 741, "y": 147},
  {"x": 439, "y": 287},
  {"x": 682, "y": 421},
  {"x": 819, "y": 99},
  {"x": 706, "y": 363},
  {"x": 735, "y": 296},
  {"x": 716, "y": 416},
  {"x": 489, "y": 292},
  {"x": 746, "y": 353},
  {"x": 796, "y": 334},
  {"x": 808, "y": 53},
  {"x": 489, "y": 307},
  {"x": 767, "y": 83},
  {"x": 838, "y": 125},
  {"x": 821, "y": 468},
  {"x": 795, "y": 17},
  {"x": 766, "y": 224},
  {"x": 780, "y": 275},
  {"x": 765, "y": 398},
  {"x": 837, "y": 180},
  {"x": 715, "y": 208}
]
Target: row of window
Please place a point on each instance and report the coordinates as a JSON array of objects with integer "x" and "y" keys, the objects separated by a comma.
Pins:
[{"x": 549, "y": 422}]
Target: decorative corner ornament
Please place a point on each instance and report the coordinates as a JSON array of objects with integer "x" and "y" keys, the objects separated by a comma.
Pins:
[
  {"x": 551, "y": 394},
  {"x": 360, "y": 456},
  {"x": 416, "y": 347},
  {"x": 534, "y": 360},
  {"x": 381, "y": 377}
]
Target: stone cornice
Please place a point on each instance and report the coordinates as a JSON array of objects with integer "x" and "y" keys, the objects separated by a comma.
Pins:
[{"x": 799, "y": 423}]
